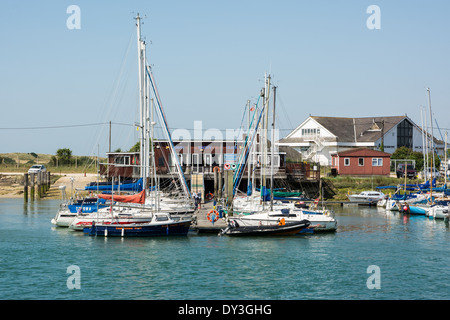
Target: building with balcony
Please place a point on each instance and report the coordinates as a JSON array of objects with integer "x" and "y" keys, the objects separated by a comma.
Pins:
[{"x": 317, "y": 138}]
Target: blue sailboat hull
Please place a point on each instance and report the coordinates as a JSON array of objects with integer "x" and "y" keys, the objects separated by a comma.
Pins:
[
  {"x": 87, "y": 205},
  {"x": 413, "y": 210},
  {"x": 141, "y": 230}
]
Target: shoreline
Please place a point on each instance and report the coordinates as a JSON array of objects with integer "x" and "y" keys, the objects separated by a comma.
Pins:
[{"x": 12, "y": 189}]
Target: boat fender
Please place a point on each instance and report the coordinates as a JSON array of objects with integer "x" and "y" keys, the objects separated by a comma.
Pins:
[{"x": 210, "y": 214}]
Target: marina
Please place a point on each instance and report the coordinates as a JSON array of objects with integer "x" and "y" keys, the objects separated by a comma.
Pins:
[
  {"x": 410, "y": 251},
  {"x": 257, "y": 200}
]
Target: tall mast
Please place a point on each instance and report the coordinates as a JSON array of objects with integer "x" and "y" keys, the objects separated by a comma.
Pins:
[
  {"x": 249, "y": 164},
  {"x": 431, "y": 146},
  {"x": 423, "y": 138},
  {"x": 445, "y": 160},
  {"x": 272, "y": 148},
  {"x": 265, "y": 129},
  {"x": 141, "y": 99},
  {"x": 146, "y": 116},
  {"x": 152, "y": 124}
]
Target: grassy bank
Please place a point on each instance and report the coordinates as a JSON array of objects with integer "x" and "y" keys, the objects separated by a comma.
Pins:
[
  {"x": 21, "y": 162},
  {"x": 348, "y": 184}
]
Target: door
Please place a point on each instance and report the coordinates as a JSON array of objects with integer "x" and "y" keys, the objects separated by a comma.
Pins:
[{"x": 208, "y": 162}]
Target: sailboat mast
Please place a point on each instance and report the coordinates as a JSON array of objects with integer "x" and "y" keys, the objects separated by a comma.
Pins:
[
  {"x": 445, "y": 160},
  {"x": 141, "y": 98},
  {"x": 431, "y": 146},
  {"x": 249, "y": 162},
  {"x": 146, "y": 117},
  {"x": 152, "y": 124},
  {"x": 265, "y": 129},
  {"x": 272, "y": 148},
  {"x": 423, "y": 141}
]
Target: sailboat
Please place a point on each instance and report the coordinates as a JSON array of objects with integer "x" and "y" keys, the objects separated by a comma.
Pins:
[
  {"x": 250, "y": 214},
  {"x": 281, "y": 228},
  {"x": 128, "y": 209},
  {"x": 157, "y": 222},
  {"x": 71, "y": 208}
]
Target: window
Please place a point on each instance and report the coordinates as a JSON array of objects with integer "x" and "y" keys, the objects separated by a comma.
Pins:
[
  {"x": 361, "y": 162},
  {"x": 377, "y": 162},
  {"x": 346, "y": 162},
  {"x": 161, "y": 218},
  {"x": 404, "y": 134},
  {"x": 310, "y": 132},
  {"x": 125, "y": 160}
]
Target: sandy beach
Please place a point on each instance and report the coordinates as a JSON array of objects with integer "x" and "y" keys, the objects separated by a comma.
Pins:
[{"x": 11, "y": 184}]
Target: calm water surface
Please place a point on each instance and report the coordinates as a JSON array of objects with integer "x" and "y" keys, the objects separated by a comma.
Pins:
[{"x": 412, "y": 253}]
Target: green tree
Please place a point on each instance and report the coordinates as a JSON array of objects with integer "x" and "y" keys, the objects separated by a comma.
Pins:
[
  {"x": 406, "y": 153},
  {"x": 64, "y": 156},
  {"x": 136, "y": 147}
]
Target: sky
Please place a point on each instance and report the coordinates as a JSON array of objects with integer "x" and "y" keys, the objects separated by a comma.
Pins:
[{"x": 61, "y": 86}]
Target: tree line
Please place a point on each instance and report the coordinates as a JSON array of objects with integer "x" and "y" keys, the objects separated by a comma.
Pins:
[{"x": 403, "y": 153}]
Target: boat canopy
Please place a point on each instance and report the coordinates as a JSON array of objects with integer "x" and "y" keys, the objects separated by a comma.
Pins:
[
  {"x": 134, "y": 198},
  {"x": 136, "y": 186}
]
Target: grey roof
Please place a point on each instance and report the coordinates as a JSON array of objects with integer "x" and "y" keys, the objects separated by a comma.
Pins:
[{"x": 366, "y": 129}]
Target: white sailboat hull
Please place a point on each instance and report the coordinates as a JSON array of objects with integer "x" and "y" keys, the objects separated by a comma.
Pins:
[
  {"x": 63, "y": 218},
  {"x": 319, "y": 222},
  {"x": 438, "y": 212}
]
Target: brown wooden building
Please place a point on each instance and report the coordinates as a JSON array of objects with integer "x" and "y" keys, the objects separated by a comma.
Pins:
[{"x": 201, "y": 158}]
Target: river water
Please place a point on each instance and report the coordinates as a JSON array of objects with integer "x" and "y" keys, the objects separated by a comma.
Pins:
[{"x": 374, "y": 255}]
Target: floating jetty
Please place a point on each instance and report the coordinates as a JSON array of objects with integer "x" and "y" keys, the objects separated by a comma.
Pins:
[{"x": 201, "y": 223}]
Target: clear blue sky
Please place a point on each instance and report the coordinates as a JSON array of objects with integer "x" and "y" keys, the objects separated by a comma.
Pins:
[{"x": 209, "y": 58}]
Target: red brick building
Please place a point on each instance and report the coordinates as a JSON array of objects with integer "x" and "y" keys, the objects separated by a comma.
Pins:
[{"x": 361, "y": 162}]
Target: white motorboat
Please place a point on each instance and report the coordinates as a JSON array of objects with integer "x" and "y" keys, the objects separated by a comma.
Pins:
[{"x": 369, "y": 197}]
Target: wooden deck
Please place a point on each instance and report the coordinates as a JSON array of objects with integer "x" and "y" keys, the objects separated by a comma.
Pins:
[{"x": 202, "y": 225}]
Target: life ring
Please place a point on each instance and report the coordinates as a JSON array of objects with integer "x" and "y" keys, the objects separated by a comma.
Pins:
[
  {"x": 226, "y": 166},
  {"x": 218, "y": 169},
  {"x": 209, "y": 196},
  {"x": 216, "y": 216}
]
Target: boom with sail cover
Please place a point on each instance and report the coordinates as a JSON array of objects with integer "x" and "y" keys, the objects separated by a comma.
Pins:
[{"x": 134, "y": 198}]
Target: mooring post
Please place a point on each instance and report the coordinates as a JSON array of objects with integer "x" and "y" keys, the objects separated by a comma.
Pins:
[
  {"x": 220, "y": 184},
  {"x": 32, "y": 190},
  {"x": 45, "y": 183},
  {"x": 25, "y": 187},
  {"x": 216, "y": 182},
  {"x": 38, "y": 182}
]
